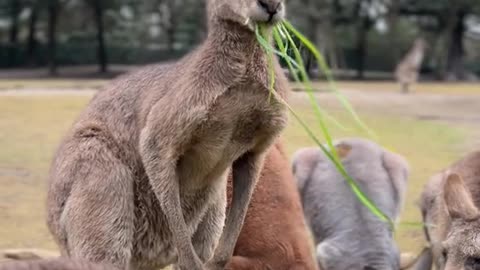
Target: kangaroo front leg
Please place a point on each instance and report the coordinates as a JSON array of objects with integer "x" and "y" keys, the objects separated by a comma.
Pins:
[
  {"x": 245, "y": 172},
  {"x": 167, "y": 191},
  {"x": 162, "y": 144}
]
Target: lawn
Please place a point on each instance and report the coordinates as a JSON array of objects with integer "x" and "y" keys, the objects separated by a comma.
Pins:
[
  {"x": 424, "y": 88},
  {"x": 32, "y": 126}
]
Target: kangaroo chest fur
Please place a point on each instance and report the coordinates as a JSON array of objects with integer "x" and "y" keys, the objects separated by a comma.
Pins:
[{"x": 242, "y": 119}]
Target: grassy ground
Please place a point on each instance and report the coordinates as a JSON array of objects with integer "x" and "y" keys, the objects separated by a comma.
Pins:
[
  {"x": 30, "y": 129},
  {"x": 32, "y": 125},
  {"x": 437, "y": 88},
  {"x": 430, "y": 87}
]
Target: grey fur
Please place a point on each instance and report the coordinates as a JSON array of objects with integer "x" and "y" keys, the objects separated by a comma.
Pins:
[
  {"x": 347, "y": 234},
  {"x": 139, "y": 181}
]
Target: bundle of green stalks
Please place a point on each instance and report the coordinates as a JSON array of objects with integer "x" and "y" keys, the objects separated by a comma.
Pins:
[{"x": 283, "y": 37}]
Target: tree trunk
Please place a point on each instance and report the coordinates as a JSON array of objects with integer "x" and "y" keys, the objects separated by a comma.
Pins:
[
  {"x": 456, "y": 50},
  {"x": 172, "y": 25},
  {"x": 312, "y": 35},
  {"x": 52, "y": 36},
  {"x": 101, "y": 50},
  {"x": 171, "y": 38},
  {"x": 392, "y": 19},
  {"x": 32, "y": 32},
  {"x": 362, "y": 44},
  {"x": 13, "y": 37}
]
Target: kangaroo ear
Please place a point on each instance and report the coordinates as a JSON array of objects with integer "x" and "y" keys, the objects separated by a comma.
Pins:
[
  {"x": 303, "y": 165},
  {"x": 343, "y": 150},
  {"x": 398, "y": 171},
  {"x": 458, "y": 199}
]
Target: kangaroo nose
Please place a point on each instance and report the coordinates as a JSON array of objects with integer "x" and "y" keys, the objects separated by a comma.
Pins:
[{"x": 271, "y": 7}]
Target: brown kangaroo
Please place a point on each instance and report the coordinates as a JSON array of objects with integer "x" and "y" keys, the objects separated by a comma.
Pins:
[
  {"x": 274, "y": 235},
  {"x": 450, "y": 207},
  {"x": 139, "y": 182}
]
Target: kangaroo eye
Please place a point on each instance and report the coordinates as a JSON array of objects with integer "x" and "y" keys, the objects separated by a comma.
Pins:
[{"x": 472, "y": 263}]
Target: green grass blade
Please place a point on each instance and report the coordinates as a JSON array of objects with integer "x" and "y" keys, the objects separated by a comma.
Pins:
[
  {"x": 284, "y": 49},
  {"x": 331, "y": 154},
  {"x": 266, "y": 46},
  {"x": 309, "y": 87},
  {"x": 334, "y": 155},
  {"x": 278, "y": 36},
  {"x": 361, "y": 196},
  {"x": 270, "y": 67},
  {"x": 326, "y": 70}
]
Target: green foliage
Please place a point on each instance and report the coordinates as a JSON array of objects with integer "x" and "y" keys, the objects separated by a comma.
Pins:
[{"x": 334, "y": 26}]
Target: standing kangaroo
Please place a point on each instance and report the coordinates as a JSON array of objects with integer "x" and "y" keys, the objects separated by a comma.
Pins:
[
  {"x": 140, "y": 180},
  {"x": 408, "y": 69},
  {"x": 347, "y": 235},
  {"x": 450, "y": 208}
]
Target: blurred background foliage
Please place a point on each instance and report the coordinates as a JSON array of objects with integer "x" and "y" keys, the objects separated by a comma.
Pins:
[{"x": 361, "y": 39}]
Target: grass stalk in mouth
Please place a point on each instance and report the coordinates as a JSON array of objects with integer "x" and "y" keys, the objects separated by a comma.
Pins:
[{"x": 283, "y": 31}]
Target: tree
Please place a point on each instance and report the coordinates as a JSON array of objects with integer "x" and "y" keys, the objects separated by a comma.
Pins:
[
  {"x": 15, "y": 8},
  {"x": 32, "y": 30},
  {"x": 169, "y": 12},
  {"x": 98, "y": 10},
  {"x": 53, "y": 9}
]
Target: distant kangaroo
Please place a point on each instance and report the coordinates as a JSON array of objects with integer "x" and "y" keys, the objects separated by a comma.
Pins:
[
  {"x": 347, "y": 235},
  {"x": 139, "y": 182},
  {"x": 408, "y": 69},
  {"x": 450, "y": 207}
]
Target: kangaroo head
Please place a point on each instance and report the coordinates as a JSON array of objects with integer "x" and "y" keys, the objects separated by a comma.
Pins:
[
  {"x": 461, "y": 249},
  {"x": 246, "y": 12}
]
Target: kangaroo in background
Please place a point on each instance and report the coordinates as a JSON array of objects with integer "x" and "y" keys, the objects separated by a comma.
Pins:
[
  {"x": 450, "y": 208},
  {"x": 347, "y": 235},
  {"x": 139, "y": 182},
  {"x": 408, "y": 69}
]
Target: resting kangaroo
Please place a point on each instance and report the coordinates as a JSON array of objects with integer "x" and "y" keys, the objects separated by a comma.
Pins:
[
  {"x": 347, "y": 234},
  {"x": 140, "y": 180},
  {"x": 449, "y": 205}
]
